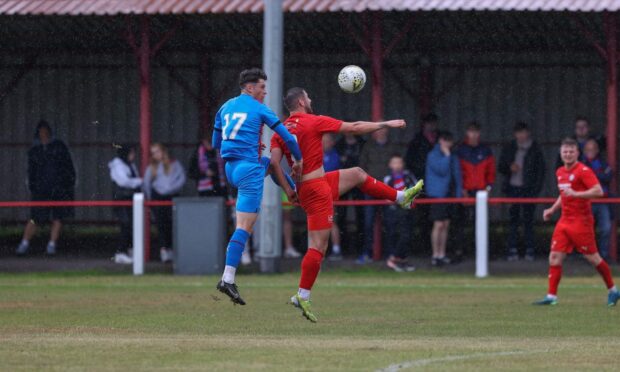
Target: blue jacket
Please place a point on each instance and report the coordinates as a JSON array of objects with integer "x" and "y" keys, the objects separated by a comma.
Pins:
[
  {"x": 602, "y": 170},
  {"x": 443, "y": 175}
]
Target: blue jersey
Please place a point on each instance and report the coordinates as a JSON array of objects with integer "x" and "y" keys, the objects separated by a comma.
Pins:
[{"x": 240, "y": 122}]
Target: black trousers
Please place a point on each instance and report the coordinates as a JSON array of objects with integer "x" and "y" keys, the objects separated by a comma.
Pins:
[
  {"x": 398, "y": 228},
  {"x": 124, "y": 215},
  {"x": 163, "y": 220}
]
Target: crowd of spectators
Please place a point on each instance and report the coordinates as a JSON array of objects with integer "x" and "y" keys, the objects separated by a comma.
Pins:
[{"x": 451, "y": 167}]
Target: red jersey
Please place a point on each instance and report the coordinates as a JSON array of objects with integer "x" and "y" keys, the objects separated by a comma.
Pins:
[
  {"x": 579, "y": 178},
  {"x": 309, "y": 130}
]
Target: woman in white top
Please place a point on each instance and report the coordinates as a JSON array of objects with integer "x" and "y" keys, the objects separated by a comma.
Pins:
[
  {"x": 126, "y": 181},
  {"x": 164, "y": 178}
]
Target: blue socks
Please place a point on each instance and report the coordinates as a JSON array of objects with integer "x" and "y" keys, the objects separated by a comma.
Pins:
[{"x": 235, "y": 247}]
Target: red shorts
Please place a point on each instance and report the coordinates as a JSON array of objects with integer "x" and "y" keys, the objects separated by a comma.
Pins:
[
  {"x": 571, "y": 235},
  {"x": 316, "y": 198}
]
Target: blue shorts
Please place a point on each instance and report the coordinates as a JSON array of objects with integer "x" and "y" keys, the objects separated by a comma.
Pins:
[{"x": 248, "y": 178}]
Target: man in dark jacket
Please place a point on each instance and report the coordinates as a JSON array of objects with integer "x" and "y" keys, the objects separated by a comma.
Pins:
[
  {"x": 415, "y": 160},
  {"x": 51, "y": 176},
  {"x": 523, "y": 166}
]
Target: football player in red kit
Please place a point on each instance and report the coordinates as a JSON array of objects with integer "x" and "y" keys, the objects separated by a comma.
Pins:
[
  {"x": 575, "y": 229},
  {"x": 318, "y": 189}
]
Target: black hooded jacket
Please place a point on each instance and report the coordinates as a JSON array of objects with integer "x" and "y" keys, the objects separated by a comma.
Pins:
[{"x": 50, "y": 167}]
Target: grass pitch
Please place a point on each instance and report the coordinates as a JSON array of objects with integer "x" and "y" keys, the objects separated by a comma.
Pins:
[{"x": 367, "y": 321}]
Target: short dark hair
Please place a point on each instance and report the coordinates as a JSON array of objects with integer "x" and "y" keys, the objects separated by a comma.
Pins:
[
  {"x": 568, "y": 141},
  {"x": 446, "y": 135},
  {"x": 292, "y": 97},
  {"x": 473, "y": 125},
  {"x": 252, "y": 75},
  {"x": 123, "y": 150},
  {"x": 430, "y": 118},
  {"x": 582, "y": 118},
  {"x": 520, "y": 126},
  {"x": 396, "y": 155}
]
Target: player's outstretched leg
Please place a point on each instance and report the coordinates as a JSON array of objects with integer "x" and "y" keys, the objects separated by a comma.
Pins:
[
  {"x": 603, "y": 269},
  {"x": 233, "y": 257},
  {"x": 357, "y": 177},
  {"x": 310, "y": 267}
]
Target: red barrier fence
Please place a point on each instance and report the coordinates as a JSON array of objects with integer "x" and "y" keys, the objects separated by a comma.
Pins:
[{"x": 352, "y": 203}]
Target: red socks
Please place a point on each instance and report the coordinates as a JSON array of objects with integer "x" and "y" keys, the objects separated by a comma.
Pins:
[
  {"x": 605, "y": 272},
  {"x": 555, "y": 274},
  {"x": 310, "y": 267},
  {"x": 377, "y": 189}
]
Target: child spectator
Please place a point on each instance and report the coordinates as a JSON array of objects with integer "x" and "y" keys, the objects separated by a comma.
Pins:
[
  {"x": 601, "y": 212},
  {"x": 374, "y": 158},
  {"x": 126, "y": 181},
  {"x": 443, "y": 179},
  {"x": 331, "y": 162},
  {"x": 163, "y": 180},
  {"x": 398, "y": 222},
  {"x": 206, "y": 167}
]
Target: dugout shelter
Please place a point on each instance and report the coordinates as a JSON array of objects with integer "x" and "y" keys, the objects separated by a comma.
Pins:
[{"x": 109, "y": 71}]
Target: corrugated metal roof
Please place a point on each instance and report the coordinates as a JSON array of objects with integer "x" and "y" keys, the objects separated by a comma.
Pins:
[{"x": 116, "y": 7}]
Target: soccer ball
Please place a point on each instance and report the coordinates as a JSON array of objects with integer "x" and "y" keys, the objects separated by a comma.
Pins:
[{"x": 351, "y": 79}]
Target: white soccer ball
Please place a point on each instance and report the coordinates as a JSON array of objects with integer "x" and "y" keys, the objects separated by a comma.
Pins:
[{"x": 351, "y": 79}]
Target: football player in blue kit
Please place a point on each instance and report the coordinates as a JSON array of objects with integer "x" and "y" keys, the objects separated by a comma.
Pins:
[{"x": 237, "y": 131}]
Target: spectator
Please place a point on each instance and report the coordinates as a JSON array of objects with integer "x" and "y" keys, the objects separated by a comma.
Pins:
[
  {"x": 163, "y": 180},
  {"x": 582, "y": 134},
  {"x": 398, "y": 221},
  {"x": 523, "y": 166},
  {"x": 422, "y": 144},
  {"x": 51, "y": 177},
  {"x": 126, "y": 181},
  {"x": 349, "y": 148},
  {"x": 206, "y": 167},
  {"x": 443, "y": 179},
  {"x": 478, "y": 170},
  {"x": 415, "y": 161},
  {"x": 601, "y": 212},
  {"x": 374, "y": 158},
  {"x": 331, "y": 162}
]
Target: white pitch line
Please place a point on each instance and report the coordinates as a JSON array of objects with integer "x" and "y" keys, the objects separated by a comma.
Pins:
[{"x": 452, "y": 358}]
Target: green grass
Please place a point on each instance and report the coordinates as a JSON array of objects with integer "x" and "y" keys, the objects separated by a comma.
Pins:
[{"x": 367, "y": 321}]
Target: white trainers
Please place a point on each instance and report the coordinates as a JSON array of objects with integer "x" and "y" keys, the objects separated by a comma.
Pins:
[
  {"x": 291, "y": 252},
  {"x": 50, "y": 249},
  {"x": 166, "y": 255},
  {"x": 123, "y": 259},
  {"x": 22, "y": 248}
]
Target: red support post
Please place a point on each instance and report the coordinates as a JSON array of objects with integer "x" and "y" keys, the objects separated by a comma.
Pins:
[
  {"x": 425, "y": 96},
  {"x": 144, "y": 57},
  {"x": 376, "y": 56},
  {"x": 611, "y": 30},
  {"x": 205, "y": 100}
]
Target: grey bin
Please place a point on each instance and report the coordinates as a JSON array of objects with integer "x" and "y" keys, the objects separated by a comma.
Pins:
[{"x": 199, "y": 233}]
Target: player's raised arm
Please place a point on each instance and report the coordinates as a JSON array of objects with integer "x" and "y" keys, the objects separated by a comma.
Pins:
[
  {"x": 364, "y": 127},
  {"x": 272, "y": 121}
]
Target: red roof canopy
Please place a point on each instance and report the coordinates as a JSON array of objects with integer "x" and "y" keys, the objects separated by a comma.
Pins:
[{"x": 116, "y": 7}]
